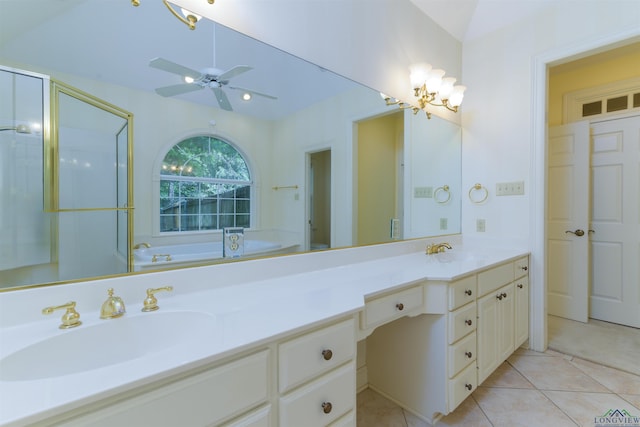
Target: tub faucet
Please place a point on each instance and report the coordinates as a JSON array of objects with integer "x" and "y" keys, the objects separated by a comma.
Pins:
[
  {"x": 435, "y": 248},
  {"x": 139, "y": 245}
]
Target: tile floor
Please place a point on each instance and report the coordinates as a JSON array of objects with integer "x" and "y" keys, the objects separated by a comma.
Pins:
[{"x": 530, "y": 389}]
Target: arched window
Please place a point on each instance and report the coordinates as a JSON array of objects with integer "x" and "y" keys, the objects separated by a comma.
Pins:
[{"x": 205, "y": 184}]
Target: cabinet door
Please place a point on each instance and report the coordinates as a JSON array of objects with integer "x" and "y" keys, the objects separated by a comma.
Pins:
[
  {"x": 487, "y": 359},
  {"x": 521, "y": 291},
  {"x": 506, "y": 324}
]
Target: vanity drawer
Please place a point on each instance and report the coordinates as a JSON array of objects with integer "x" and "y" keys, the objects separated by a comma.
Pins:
[
  {"x": 462, "y": 386},
  {"x": 312, "y": 354},
  {"x": 461, "y": 354},
  {"x": 304, "y": 407},
  {"x": 259, "y": 418},
  {"x": 207, "y": 398},
  {"x": 462, "y": 292},
  {"x": 384, "y": 309},
  {"x": 461, "y": 322},
  {"x": 491, "y": 280},
  {"x": 521, "y": 267}
]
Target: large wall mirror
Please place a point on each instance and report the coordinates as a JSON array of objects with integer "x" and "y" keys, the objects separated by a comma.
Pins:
[{"x": 330, "y": 165}]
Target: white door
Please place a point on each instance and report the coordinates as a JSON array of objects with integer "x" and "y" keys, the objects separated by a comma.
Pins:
[
  {"x": 568, "y": 221},
  {"x": 615, "y": 217}
]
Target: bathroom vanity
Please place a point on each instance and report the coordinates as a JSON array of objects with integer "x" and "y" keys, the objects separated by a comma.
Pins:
[{"x": 278, "y": 351}]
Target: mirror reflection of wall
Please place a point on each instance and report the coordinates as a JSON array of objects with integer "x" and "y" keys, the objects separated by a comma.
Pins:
[{"x": 314, "y": 110}]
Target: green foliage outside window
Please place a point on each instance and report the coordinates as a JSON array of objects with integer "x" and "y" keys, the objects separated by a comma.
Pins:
[{"x": 205, "y": 185}]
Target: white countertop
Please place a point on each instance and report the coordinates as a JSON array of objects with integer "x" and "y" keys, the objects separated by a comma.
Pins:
[{"x": 243, "y": 316}]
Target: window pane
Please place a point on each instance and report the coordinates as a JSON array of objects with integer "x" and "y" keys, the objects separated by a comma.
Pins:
[{"x": 204, "y": 203}]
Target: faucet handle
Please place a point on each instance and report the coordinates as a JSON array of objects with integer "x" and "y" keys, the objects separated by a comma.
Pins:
[
  {"x": 151, "y": 302},
  {"x": 70, "y": 319}
]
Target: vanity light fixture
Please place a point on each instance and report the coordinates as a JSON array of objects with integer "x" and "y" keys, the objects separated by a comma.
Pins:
[
  {"x": 188, "y": 18},
  {"x": 430, "y": 87}
]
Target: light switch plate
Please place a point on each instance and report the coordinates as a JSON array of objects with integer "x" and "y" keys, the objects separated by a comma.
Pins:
[
  {"x": 515, "y": 188},
  {"x": 422, "y": 192}
]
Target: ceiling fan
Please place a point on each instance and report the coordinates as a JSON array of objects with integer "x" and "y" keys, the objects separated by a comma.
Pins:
[{"x": 211, "y": 78}]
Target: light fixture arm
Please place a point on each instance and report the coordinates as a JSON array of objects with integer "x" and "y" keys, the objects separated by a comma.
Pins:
[{"x": 189, "y": 20}]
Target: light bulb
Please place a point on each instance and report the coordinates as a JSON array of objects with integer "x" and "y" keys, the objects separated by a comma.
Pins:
[
  {"x": 457, "y": 95},
  {"x": 434, "y": 80},
  {"x": 188, "y": 79},
  {"x": 446, "y": 88},
  {"x": 419, "y": 75}
]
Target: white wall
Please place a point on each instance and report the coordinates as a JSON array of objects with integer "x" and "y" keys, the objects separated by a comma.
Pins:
[
  {"x": 504, "y": 119},
  {"x": 373, "y": 42}
]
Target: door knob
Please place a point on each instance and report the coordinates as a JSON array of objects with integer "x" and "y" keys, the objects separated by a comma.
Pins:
[{"x": 578, "y": 232}]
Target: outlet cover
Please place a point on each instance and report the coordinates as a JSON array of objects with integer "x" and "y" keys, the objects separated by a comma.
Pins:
[
  {"x": 480, "y": 225},
  {"x": 443, "y": 223}
]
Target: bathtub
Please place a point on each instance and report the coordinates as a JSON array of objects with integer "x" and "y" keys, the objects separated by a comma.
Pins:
[{"x": 197, "y": 253}]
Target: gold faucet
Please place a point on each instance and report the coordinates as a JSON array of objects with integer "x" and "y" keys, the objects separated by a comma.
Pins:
[
  {"x": 139, "y": 245},
  {"x": 113, "y": 307},
  {"x": 151, "y": 302},
  {"x": 437, "y": 248},
  {"x": 70, "y": 319}
]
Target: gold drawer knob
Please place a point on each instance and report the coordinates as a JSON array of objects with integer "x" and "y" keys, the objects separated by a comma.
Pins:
[
  {"x": 469, "y": 322},
  {"x": 400, "y": 306},
  {"x": 468, "y": 292},
  {"x": 327, "y": 354},
  {"x": 468, "y": 354},
  {"x": 469, "y": 386},
  {"x": 327, "y": 407}
]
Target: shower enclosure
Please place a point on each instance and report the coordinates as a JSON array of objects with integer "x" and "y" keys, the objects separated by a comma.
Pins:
[{"x": 66, "y": 202}]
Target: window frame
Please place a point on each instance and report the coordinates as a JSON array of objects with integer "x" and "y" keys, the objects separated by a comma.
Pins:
[{"x": 158, "y": 177}]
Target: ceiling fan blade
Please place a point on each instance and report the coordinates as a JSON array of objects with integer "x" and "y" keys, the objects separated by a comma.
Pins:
[
  {"x": 172, "y": 67},
  {"x": 238, "y": 69},
  {"x": 253, "y": 92},
  {"x": 223, "y": 101},
  {"x": 177, "y": 89}
]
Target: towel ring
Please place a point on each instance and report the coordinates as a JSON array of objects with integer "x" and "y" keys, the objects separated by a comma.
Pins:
[
  {"x": 478, "y": 187},
  {"x": 444, "y": 189}
]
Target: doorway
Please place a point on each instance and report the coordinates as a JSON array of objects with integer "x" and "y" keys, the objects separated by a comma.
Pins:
[
  {"x": 379, "y": 159},
  {"x": 592, "y": 217},
  {"x": 319, "y": 199},
  {"x": 540, "y": 98}
]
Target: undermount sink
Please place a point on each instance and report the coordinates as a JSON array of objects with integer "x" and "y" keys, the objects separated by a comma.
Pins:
[
  {"x": 107, "y": 343},
  {"x": 446, "y": 257}
]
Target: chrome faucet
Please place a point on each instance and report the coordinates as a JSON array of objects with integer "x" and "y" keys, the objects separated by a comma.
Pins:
[
  {"x": 435, "y": 248},
  {"x": 139, "y": 245}
]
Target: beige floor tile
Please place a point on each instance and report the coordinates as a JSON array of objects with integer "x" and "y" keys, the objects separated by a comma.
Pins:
[
  {"x": 468, "y": 414},
  {"x": 634, "y": 399},
  {"x": 519, "y": 407},
  {"x": 414, "y": 421},
  {"x": 506, "y": 376},
  {"x": 584, "y": 407},
  {"x": 615, "y": 380},
  {"x": 375, "y": 410},
  {"x": 554, "y": 373}
]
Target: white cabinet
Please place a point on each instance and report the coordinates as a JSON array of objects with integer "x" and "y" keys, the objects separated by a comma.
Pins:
[
  {"x": 495, "y": 330},
  {"x": 380, "y": 310},
  {"x": 203, "y": 399},
  {"x": 316, "y": 376},
  {"x": 503, "y": 314},
  {"x": 432, "y": 362},
  {"x": 521, "y": 291},
  {"x": 426, "y": 363}
]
